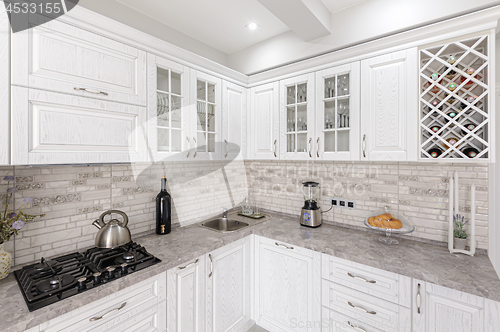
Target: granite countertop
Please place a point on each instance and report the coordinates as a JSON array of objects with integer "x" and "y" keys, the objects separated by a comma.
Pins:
[{"x": 474, "y": 275}]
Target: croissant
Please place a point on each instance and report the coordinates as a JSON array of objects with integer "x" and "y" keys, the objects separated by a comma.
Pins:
[{"x": 385, "y": 221}]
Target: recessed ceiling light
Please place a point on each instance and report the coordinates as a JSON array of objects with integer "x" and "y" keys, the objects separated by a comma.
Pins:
[{"x": 252, "y": 26}]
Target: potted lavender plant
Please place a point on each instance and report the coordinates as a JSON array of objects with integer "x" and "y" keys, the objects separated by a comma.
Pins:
[
  {"x": 10, "y": 224},
  {"x": 459, "y": 232}
]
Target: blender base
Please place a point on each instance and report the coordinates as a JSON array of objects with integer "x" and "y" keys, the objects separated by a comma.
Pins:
[{"x": 310, "y": 218}]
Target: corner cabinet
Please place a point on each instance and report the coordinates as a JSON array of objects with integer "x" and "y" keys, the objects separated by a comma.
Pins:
[
  {"x": 389, "y": 107},
  {"x": 337, "y": 113},
  {"x": 234, "y": 121},
  {"x": 264, "y": 130},
  {"x": 297, "y": 118},
  {"x": 168, "y": 109}
]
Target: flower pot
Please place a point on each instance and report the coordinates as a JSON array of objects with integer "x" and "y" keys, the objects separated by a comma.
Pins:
[
  {"x": 459, "y": 243},
  {"x": 5, "y": 262}
]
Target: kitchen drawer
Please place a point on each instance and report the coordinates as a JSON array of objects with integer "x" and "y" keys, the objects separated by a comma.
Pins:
[
  {"x": 379, "y": 283},
  {"x": 375, "y": 312},
  {"x": 63, "y": 58},
  {"x": 336, "y": 322},
  {"x": 133, "y": 300}
]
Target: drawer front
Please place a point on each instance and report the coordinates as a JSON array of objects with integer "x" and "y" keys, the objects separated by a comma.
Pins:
[
  {"x": 60, "y": 57},
  {"x": 375, "y": 312},
  {"x": 382, "y": 284},
  {"x": 336, "y": 322},
  {"x": 117, "y": 309},
  {"x": 53, "y": 128}
]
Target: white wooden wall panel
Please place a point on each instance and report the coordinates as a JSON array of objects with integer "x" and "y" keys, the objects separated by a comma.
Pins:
[
  {"x": 389, "y": 106},
  {"x": 52, "y": 128},
  {"x": 4, "y": 87},
  {"x": 60, "y": 57},
  {"x": 185, "y": 297},
  {"x": 234, "y": 110},
  {"x": 264, "y": 122}
]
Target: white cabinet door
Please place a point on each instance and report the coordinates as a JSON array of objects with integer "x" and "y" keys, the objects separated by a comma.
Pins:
[
  {"x": 234, "y": 120},
  {"x": 441, "y": 309},
  {"x": 264, "y": 129},
  {"x": 54, "y": 128},
  {"x": 337, "y": 116},
  {"x": 297, "y": 118},
  {"x": 169, "y": 133},
  {"x": 186, "y": 297},
  {"x": 389, "y": 107},
  {"x": 288, "y": 287},
  {"x": 4, "y": 87},
  {"x": 63, "y": 58},
  {"x": 228, "y": 287},
  {"x": 206, "y": 115}
]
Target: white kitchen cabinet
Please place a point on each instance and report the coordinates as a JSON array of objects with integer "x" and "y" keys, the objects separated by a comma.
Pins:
[
  {"x": 389, "y": 107},
  {"x": 186, "y": 297},
  {"x": 169, "y": 134},
  {"x": 54, "y": 128},
  {"x": 63, "y": 58},
  {"x": 234, "y": 120},
  {"x": 228, "y": 292},
  {"x": 288, "y": 287},
  {"x": 140, "y": 307},
  {"x": 206, "y": 111},
  {"x": 441, "y": 309},
  {"x": 332, "y": 321},
  {"x": 264, "y": 129},
  {"x": 337, "y": 113},
  {"x": 297, "y": 118},
  {"x": 4, "y": 87}
]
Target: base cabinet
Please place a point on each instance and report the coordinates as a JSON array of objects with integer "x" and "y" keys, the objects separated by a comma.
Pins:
[{"x": 288, "y": 287}]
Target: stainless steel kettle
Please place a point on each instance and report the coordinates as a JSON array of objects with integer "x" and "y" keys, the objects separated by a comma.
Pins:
[{"x": 114, "y": 233}]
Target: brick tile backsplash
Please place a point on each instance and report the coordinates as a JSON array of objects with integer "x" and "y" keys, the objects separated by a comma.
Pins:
[{"x": 73, "y": 196}]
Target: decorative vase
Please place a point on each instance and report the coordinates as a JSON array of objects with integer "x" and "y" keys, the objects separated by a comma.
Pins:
[
  {"x": 459, "y": 243},
  {"x": 5, "y": 262}
]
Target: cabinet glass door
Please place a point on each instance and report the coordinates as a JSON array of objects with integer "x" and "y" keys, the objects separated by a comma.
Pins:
[
  {"x": 338, "y": 117},
  {"x": 169, "y": 110},
  {"x": 205, "y": 115}
]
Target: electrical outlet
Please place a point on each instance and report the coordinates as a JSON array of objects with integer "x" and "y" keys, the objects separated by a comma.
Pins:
[
  {"x": 351, "y": 205},
  {"x": 334, "y": 202},
  {"x": 342, "y": 203}
]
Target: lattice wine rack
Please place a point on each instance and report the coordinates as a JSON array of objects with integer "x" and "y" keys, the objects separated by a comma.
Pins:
[{"x": 454, "y": 114}]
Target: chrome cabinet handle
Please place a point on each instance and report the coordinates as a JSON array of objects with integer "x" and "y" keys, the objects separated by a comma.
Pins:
[
  {"x": 91, "y": 91},
  {"x": 362, "y": 309},
  {"x": 317, "y": 151},
  {"x": 361, "y": 278},
  {"x": 225, "y": 141},
  {"x": 310, "y": 147},
  {"x": 188, "y": 147},
  {"x": 275, "y": 141},
  {"x": 355, "y": 327},
  {"x": 195, "y": 147},
  {"x": 113, "y": 311},
  {"x": 282, "y": 245},
  {"x": 211, "y": 266},
  {"x": 364, "y": 146},
  {"x": 419, "y": 300},
  {"x": 192, "y": 263}
]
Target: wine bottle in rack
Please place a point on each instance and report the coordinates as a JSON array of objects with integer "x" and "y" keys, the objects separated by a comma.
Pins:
[
  {"x": 470, "y": 152},
  {"x": 451, "y": 140},
  {"x": 435, "y": 128},
  {"x": 434, "y": 105},
  {"x": 435, "y": 152},
  {"x": 469, "y": 127},
  {"x": 451, "y": 114}
]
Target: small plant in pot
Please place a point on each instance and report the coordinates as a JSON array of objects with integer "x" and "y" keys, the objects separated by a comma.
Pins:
[{"x": 459, "y": 232}]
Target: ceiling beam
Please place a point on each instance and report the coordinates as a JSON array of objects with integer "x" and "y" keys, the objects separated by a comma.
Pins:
[{"x": 309, "y": 19}]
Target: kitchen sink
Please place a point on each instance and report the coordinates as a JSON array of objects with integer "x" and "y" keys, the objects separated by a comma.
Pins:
[{"x": 223, "y": 225}]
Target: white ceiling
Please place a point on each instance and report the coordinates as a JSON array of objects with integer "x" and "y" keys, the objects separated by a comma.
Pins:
[{"x": 338, "y": 5}]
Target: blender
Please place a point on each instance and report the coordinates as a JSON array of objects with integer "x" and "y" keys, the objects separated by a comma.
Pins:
[{"x": 311, "y": 213}]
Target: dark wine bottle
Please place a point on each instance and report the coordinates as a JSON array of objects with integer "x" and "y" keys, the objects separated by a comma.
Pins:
[
  {"x": 435, "y": 152},
  {"x": 469, "y": 127},
  {"x": 435, "y": 128},
  {"x": 163, "y": 210},
  {"x": 470, "y": 152}
]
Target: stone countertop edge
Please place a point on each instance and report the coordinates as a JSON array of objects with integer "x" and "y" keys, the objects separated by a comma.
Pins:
[{"x": 427, "y": 262}]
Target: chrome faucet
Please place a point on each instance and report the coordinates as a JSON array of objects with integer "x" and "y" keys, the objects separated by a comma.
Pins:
[{"x": 224, "y": 212}]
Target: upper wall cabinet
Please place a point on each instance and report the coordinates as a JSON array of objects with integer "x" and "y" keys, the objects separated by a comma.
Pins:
[
  {"x": 297, "y": 117},
  {"x": 168, "y": 109},
  {"x": 206, "y": 126},
  {"x": 264, "y": 122},
  {"x": 4, "y": 89},
  {"x": 389, "y": 107},
  {"x": 59, "y": 57},
  {"x": 234, "y": 120},
  {"x": 56, "y": 128},
  {"x": 337, "y": 113}
]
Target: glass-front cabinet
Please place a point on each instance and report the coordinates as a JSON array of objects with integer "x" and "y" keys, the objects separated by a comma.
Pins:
[
  {"x": 337, "y": 113},
  {"x": 168, "y": 124},
  {"x": 297, "y": 118}
]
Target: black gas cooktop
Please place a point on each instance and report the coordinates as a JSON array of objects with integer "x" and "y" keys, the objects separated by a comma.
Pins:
[{"x": 53, "y": 280}]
